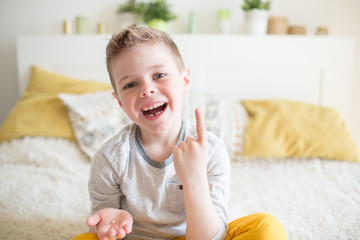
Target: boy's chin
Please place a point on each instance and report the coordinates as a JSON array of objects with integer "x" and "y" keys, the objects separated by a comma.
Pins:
[
  {"x": 160, "y": 126},
  {"x": 153, "y": 130}
]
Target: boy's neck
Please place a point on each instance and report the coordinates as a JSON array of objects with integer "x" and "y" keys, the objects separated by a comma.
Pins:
[{"x": 159, "y": 145}]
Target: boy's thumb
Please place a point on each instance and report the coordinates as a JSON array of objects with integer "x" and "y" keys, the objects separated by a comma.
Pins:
[{"x": 93, "y": 220}]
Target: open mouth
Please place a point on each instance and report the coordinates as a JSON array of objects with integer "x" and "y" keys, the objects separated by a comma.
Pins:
[{"x": 154, "y": 110}]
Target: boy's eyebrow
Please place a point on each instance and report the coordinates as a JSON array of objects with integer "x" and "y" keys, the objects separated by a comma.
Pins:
[
  {"x": 123, "y": 78},
  {"x": 157, "y": 66},
  {"x": 151, "y": 67}
]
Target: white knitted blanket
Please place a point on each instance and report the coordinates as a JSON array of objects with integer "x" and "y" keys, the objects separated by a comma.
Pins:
[{"x": 43, "y": 193}]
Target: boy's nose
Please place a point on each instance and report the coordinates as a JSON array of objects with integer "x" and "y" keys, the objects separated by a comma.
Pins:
[
  {"x": 147, "y": 91},
  {"x": 144, "y": 94}
]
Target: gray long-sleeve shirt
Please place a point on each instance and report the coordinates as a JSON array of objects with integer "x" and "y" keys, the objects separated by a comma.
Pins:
[{"x": 124, "y": 176}]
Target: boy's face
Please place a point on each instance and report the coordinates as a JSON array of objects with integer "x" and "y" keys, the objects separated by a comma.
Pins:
[{"x": 150, "y": 87}]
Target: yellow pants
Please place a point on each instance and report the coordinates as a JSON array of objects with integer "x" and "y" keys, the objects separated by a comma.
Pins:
[{"x": 258, "y": 226}]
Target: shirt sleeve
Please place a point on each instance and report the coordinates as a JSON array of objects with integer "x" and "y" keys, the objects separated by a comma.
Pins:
[
  {"x": 104, "y": 187},
  {"x": 221, "y": 235}
]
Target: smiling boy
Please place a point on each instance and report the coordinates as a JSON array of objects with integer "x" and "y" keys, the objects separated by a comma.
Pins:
[{"x": 161, "y": 177}]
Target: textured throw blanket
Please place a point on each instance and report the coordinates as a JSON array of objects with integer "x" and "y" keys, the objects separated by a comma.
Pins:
[{"x": 43, "y": 193}]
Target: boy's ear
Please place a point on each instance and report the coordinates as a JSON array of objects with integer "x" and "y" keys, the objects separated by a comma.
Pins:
[
  {"x": 187, "y": 80},
  {"x": 117, "y": 98}
]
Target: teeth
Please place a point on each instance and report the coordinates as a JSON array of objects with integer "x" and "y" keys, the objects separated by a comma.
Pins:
[
  {"x": 151, "y": 115},
  {"x": 158, "y": 113},
  {"x": 152, "y": 107}
]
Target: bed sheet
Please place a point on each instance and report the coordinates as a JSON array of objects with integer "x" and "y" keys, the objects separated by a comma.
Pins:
[
  {"x": 312, "y": 198},
  {"x": 44, "y": 195}
]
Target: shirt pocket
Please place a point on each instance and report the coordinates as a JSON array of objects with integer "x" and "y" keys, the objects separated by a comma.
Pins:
[{"x": 175, "y": 197}]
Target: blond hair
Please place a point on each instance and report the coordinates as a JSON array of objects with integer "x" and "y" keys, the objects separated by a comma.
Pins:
[{"x": 134, "y": 36}]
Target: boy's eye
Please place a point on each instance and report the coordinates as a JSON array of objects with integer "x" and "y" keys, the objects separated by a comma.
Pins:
[
  {"x": 159, "y": 75},
  {"x": 130, "y": 85}
]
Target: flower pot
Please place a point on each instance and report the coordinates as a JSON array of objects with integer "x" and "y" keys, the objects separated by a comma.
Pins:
[
  {"x": 128, "y": 19},
  {"x": 256, "y": 21},
  {"x": 158, "y": 24}
]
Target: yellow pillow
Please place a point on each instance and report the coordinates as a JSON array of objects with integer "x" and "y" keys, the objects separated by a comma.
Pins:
[
  {"x": 40, "y": 112},
  {"x": 281, "y": 129}
]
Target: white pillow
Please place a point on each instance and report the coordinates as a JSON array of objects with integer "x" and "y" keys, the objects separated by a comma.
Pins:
[
  {"x": 224, "y": 116},
  {"x": 95, "y": 117}
]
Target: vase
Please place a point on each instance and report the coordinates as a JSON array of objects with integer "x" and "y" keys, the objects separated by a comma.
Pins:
[
  {"x": 224, "y": 21},
  {"x": 277, "y": 25},
  {"x": 127, "y": 19},
  {"x": 158, "y": 24},
  {"x": 193, "y": 23},
  {"x": 256, "y": 21},
  {"x": 81, "y": 25}
]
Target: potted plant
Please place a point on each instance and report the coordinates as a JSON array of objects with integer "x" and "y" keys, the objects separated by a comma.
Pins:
[
  {"x": 131, "y": 12},
  {"x": 157, "y": 14},
  {"x": 131, "y": 6},
  {"x": 256, "y": 16}
]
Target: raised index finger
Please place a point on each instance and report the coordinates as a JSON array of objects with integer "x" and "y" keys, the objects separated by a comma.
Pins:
[{"x": 200, "y": 126}]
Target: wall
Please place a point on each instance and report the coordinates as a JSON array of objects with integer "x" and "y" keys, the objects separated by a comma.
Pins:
[{"x": 46, "y": 16}]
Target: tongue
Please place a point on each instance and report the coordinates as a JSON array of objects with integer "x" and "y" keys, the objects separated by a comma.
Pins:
[{"x": 155, "y": 110}]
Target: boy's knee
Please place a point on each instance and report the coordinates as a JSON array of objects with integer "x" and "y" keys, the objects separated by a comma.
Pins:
[
  {"x": 259, "y": 226},
  {"x": 86, "y": 236},
  {"x": 268, "y": 227}
]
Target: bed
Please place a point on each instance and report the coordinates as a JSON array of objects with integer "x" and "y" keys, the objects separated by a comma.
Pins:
[{"x": 281, "y": 104}]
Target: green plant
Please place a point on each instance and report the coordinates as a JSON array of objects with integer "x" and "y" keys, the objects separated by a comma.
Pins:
[
  {"x": 157, "y": 9},
  {"x": 131, "y": 6},
  {"x": 255, "y": 4}
]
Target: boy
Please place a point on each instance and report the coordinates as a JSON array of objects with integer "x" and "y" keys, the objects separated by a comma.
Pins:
[{"x": 161, "y": 177}]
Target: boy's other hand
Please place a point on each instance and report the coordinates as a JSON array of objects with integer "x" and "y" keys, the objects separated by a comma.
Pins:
[
  {"x": 190, "y": 157},
  {"x": 111, "y": 223}
]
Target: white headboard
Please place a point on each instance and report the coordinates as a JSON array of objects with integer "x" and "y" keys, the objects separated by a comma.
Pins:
[{"x": 312, "y": 69}]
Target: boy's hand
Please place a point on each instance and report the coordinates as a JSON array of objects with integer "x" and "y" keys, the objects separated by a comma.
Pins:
[
  {"x": 190, "y": 157},
  {"x": 111, "y": 223}
]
